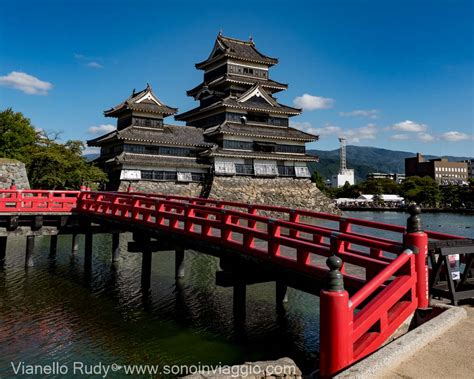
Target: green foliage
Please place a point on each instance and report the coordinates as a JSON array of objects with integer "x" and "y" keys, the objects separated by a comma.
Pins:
[
  {"x": 17, "y": 135},
  {"x": 424, "y": 191},
  {"x": 50, "y": 165},
  {"x": 55, "y": 165}
]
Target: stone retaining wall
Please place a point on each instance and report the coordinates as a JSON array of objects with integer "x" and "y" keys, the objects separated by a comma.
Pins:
[
  {"x": 288, "y": 192},
  {"x": 11, "y": 169},
  {"x": 171, "y": 188}
]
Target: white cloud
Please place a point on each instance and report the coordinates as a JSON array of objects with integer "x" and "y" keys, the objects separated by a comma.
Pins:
[
  {"x": 101, "y": 129},
  {"x": 454, "y": 136},
  {"x": 91, "y": 62},
  {"x": 409, "y": 126},
  {"x": 370, "y": 113},
  {"x": 352, "y": 135},
  {"x": 309, "y": 102},
  {"x": 25, "y": 83},
  {"x": 425, "y": 137},
  {"x": 400, "y": 137},
  {"x": 94, "y": 65},
  {"x": 91, "y": 150},
  {"x": 358, "y": 134}
]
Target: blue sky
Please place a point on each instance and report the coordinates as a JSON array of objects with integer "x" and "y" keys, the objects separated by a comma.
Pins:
[{"x": 391, "y": 74}]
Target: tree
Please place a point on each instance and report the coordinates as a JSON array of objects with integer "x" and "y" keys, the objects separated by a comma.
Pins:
[
  {"x": 17, "y": 135},
  {"x": 424, "y": 191},
  {"x": 55, "y": 166},
  {"x": 49, "y": 164}
]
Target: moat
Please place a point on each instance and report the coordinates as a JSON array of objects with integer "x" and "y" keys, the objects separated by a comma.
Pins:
[{"x": 55, "y": 312}]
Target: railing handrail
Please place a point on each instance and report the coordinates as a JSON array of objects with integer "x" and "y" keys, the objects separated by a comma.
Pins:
[{"x": 372, "y": 285}]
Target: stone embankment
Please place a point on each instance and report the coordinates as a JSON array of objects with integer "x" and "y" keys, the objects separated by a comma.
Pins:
[
  {"x": 169, "y": 188},
  {"x": 286, "y": 192},
  {"x": 13, "y": 170}
]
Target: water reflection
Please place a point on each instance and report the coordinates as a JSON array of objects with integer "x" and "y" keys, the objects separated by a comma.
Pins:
[{"x": 64, "y": 310}]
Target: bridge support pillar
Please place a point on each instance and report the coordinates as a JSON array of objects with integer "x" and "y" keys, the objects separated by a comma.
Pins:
[
  {"x": 75, "y": 243},
  {"x": 53, "y": 246},
  {"x": 88, "y": 244},
  {"x": 3, "y": 251},
  {"x": 115, "y": 247},
  {"x": 281, "y": 293},
  {"x": 239, "y": 301},
  {"x": 179, "y": 263},
  {"x": 30, "y": 248},
  {"x": 146, "y": 269}
]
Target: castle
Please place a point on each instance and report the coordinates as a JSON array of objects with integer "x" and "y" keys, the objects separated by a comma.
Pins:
[{"x": 237, "y": 143}]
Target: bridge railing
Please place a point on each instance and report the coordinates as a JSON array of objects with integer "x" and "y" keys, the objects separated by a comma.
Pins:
[
  {"x": 37, "y": 201},
  {"x": 387, "y": 277}
]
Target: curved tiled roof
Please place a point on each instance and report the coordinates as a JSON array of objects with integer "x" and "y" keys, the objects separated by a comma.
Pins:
[
  {"x": 169, "y": 135},
  {"x": 237, "y": 49},
  {"x": 135, "y": 102},
  {"x": 258, "y": 130}
]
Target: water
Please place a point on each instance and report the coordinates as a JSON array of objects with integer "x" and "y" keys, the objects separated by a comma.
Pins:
[{"x": 55, "y": 312}]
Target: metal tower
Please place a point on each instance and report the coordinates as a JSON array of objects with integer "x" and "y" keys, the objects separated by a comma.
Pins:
[{"x": 342, "y": 157}]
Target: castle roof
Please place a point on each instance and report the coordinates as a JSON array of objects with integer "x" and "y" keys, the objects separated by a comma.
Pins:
[
  {"x": 237, "y": 49},
  {"x": 268, "y": 84},
  {"x": 168, "y": 135},
  {"x": 144, "y": 101},
  {"x": 258, "y": 130}
]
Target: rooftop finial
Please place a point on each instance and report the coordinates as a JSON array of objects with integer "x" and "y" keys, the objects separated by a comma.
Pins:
[
  {"x": 148, "y": 86},
  {"x": 133, "y": 92},
  {"x": 220, "y": 32},
  {"x": 251, "y": 38}
]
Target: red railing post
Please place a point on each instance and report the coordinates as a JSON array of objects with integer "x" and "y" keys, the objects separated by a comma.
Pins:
[
  {"x": 335, "y": 323},
  {"x": 417, "y": 241}
]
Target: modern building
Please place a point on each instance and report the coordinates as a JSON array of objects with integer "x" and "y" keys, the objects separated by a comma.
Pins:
[
  {"x": 145, "y": 148},
  {"x": 239, "y": 114},
  {"x": 398, "y": 178},
  {"x": 440, "y": 169},
  {"x": 470, "y": 167}
]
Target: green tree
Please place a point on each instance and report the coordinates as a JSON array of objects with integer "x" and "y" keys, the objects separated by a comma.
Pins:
[
  {"x": 54, "y": 166},
  {"x": 424, "y": 191},
  {"x": 17, "y": 135}
]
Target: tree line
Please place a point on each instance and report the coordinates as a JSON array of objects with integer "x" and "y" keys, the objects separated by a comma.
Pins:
[
  {"x": 50, "y": 164},
  {"x": 424, "y": 191}
]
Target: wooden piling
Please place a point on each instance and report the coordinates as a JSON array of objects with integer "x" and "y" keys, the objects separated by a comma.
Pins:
[
  {"x": 53, "y": 246},
  {"x": 3, "y": 250},
  {"x": 75, "y": 244},
  {"x": 88, "y": 244},
  {"x": 281, "y": 293},
  {"x": 30, "y": 247},
  {"x": 115, "y": 247},
  {"x": 179, "y": 263},
  {"x": 146, "y": 268},
  {"x": 239, "y": 301}
]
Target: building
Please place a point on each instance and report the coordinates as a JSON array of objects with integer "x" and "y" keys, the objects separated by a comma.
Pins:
[
  {"x": 470, "y": 166},
  {"x": 237, "y": 144},
  {"x": 239, "y": 114},
  {"x": 439, "y": 169},
  {"x": 145, "y": 148},
  {"x": 345, "y": 175},
  {"x": 398, "y": 178}
]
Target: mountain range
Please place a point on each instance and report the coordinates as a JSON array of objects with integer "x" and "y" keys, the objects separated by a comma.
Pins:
[{"x": 365, "y": 159}]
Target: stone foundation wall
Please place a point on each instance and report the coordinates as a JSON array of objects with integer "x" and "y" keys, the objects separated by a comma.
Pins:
[
  {"x": 169, "y": 188},
  {"x": 288, "y": 192},
  {"x": 11, "y": 169}
]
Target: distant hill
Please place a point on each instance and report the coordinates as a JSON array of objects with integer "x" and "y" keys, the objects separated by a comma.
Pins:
[{"x": 364, "y": 159}]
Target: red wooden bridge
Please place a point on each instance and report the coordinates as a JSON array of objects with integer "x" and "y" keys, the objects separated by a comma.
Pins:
[{"x": 368, "y": 287}]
